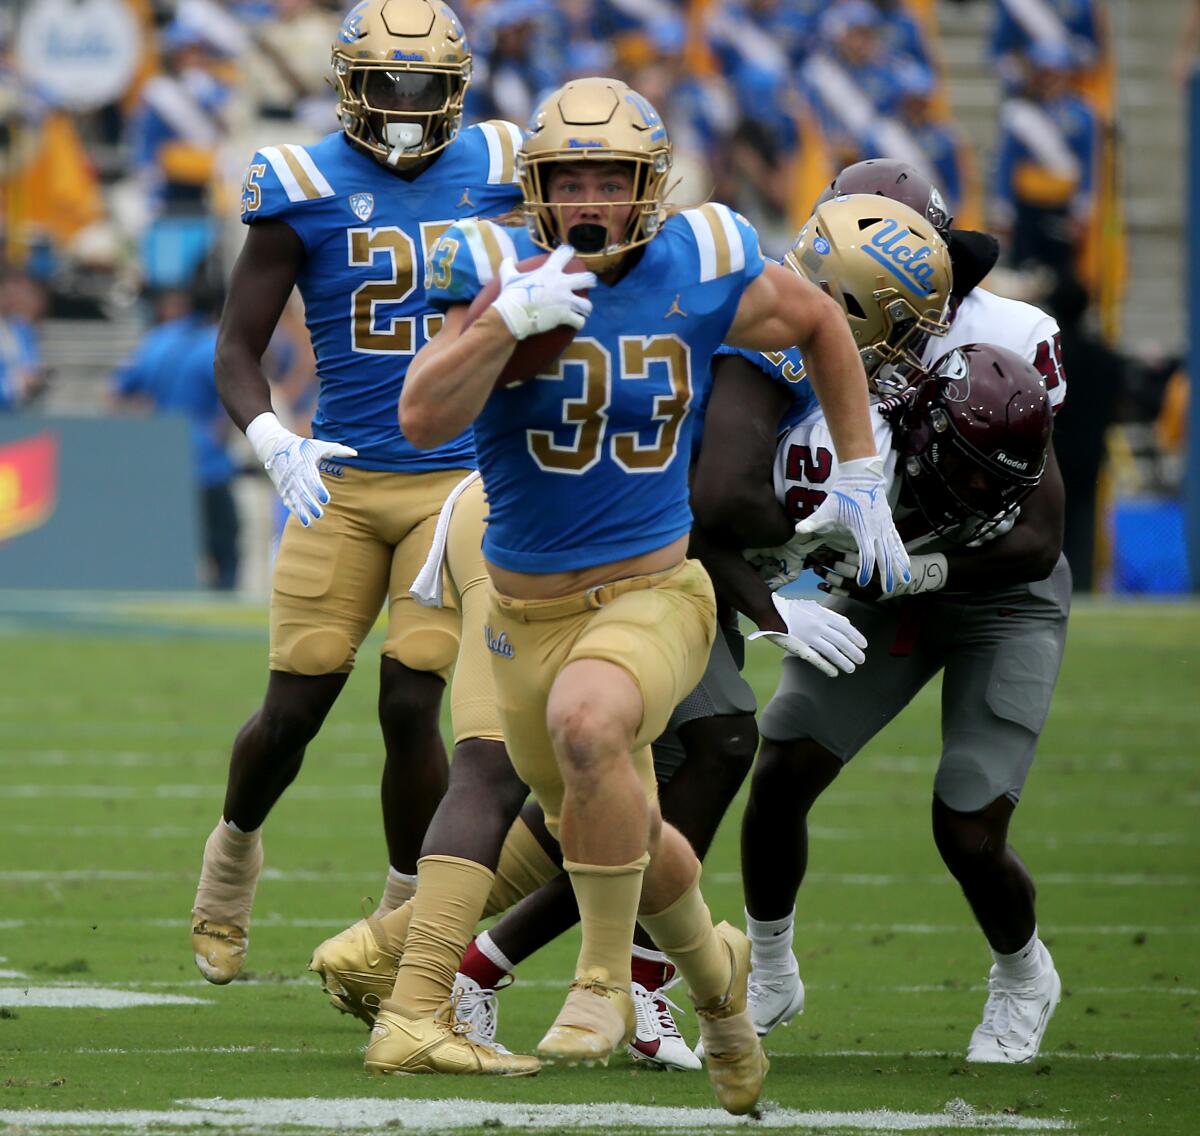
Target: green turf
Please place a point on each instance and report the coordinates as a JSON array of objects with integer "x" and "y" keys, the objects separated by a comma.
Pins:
[{"x": 114, "y": 731}]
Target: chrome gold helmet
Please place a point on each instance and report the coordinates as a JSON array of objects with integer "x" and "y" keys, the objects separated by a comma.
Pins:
[
  {"x": 889, "y": 270},
  {"x": 400, "y": 69},
  {"x": 598, "y": 121}
]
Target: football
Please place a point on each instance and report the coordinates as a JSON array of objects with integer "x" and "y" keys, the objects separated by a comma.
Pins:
[{"x": 538, "y": 353}]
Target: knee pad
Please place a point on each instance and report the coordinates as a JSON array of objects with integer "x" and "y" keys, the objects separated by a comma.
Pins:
[
  {"x": 431, "y": 650},
  {"x": 320, "y": 651}
]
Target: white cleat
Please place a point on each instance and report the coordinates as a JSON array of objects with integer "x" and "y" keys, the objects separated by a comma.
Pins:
[
  {"x": 774, "y": 1001},
  {"x": 477, "y": 1007},
  {"x": 656, "y": 1038},
  {"x": 1015, "y": 1017}
]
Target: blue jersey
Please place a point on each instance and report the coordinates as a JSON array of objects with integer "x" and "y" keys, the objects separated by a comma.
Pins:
[
  {"x": 588, "y": 464},
  {"x": 367, "y": 233}
]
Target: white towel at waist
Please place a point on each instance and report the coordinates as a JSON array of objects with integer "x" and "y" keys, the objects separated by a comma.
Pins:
[{"x": 426, "y": 589}]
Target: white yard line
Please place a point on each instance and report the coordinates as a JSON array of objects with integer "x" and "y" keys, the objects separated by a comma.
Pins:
[
  {"x": 330, "y": 1115},
  {"x": 89, "y": 997}
]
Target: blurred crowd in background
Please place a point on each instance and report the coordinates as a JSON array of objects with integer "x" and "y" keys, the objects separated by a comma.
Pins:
[{"x": 125, "y": 126}]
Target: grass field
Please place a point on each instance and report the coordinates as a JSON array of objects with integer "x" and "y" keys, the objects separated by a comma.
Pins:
[{"x": 115, "y": 723}]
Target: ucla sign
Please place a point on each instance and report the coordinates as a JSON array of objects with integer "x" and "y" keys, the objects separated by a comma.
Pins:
[
  {"x": 904, "y": 255},
  {"x": 80, "y": 54}
]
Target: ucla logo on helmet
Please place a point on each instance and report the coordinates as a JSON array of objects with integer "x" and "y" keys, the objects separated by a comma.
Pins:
[
  {"x": 352, "y": 28},
  {"x": 821, "y": 245},
  {"x": 903, "y": 254},
  {"x": 362, "y": 205}
]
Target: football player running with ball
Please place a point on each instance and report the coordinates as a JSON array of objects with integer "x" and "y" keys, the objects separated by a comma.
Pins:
[
  {"x": 350, "y": 221},
  {"x": 598, "y": 625},
  {"x": 991, "y": 615}
]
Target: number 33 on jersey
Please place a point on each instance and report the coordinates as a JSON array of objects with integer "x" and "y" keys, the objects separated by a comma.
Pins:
[
  {"x": 587, "y": 463},
  {"x": 367, "y": 233}
]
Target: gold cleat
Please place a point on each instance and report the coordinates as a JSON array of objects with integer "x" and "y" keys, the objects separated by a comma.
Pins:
[
  {"x": 596, "y": 1020},
  {"x": 220, "y": 950},
  {"x": 438, "y": 1044},
  {"x": 357, "y": 968},
  {"x": 734, "y": 1056}
]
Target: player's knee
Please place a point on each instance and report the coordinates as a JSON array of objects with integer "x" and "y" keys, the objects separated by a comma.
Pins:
[
  {"x": 430, "y": 650},
  {"x": 482, "y": 774},
  {"x": 971, "y": 841},
  {"x": 407, "y": 698},
  {"x": 586, "y": 740},
  {"x": 320, "y": 651},
  {"x": 796, "y": 772}
]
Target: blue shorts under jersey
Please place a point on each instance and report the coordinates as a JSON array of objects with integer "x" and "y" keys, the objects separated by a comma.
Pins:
[
  {"x": 366, "y": 233},
  {"x": 588, "y": 464}
]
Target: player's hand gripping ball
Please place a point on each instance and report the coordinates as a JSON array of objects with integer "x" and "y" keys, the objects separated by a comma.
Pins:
[{"x": 543, "y": 302}]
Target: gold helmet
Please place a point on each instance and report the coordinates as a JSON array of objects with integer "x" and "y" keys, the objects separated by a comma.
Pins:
[
  {"x": 889, "y": 270},
  {"x": 400, "y": 69},
  {"x": 596, "y": 120}
]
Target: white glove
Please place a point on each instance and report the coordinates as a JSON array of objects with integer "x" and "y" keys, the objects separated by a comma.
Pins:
[
  {"x": 857, "y": 507},
  {"x": 928, "y": 574},
  {"x": 1002, "y": 528},
  {"x": 292, "y": 462},
  {"x": 533, "y": 302},
  {"x": 824, "y": 638}
]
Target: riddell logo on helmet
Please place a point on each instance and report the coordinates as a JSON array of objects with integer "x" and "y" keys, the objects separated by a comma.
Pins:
[
  {"x": 1012, "y": 463},
  {"x": 908, "y": 263}
]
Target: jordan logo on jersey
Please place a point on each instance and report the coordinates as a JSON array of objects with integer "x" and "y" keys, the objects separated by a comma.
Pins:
[
  {"x": 497, "y": 644},
  {"x": 362, "y": 205},
  {"x": 465, "y": 201},
  {"x": 675, "y": 309}
]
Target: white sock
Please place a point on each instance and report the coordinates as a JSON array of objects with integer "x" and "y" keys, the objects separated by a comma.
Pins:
[
  {"x": 771, "y": 943},
  {"x": 1025, "y": 964},
  {"x": 398, "y": 890},
  {"x": 487, "y": 947}
]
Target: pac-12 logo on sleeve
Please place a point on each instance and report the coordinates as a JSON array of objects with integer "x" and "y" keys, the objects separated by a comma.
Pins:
[{"x": 362, "y": 205}]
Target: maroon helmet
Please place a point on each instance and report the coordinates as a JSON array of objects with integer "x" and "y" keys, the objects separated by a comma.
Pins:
[
  {"x": 897, "y": 180},
  {"x": 972, "y": 436}
]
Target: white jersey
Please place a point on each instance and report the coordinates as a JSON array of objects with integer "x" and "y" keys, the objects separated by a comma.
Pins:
[
  {"x": 984, "y": 317},
  {"x": 806, "y": 463}
]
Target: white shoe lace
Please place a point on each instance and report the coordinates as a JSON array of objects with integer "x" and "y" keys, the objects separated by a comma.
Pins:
[
  {"x": 1003, "y": 1005},
  {"x": 759, "y": 988},
  {"x": 477, "y": 1006},
  {"x": 653, "y": 1009}
]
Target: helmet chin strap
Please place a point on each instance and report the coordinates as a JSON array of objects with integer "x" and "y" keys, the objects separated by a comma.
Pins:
[{"x": 402, "y": 137}]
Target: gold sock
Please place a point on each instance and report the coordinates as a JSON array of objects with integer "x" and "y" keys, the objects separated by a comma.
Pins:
[
  {"x": 448, "y": 904},
  {"x": 608, "y": 901},
  {"x": 397, "y": 889},
  {"x": 523, "y": 868},
  {"x": 684, "y": 933},
  {"x": 395, "y": 925},
  {"x": 228, "y": 876}
]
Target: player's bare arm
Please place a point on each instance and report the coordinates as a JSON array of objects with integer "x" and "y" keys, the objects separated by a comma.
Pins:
[
  {"x": 732, "y": 494},
  {"x": 451, "y": 377},
  {"x": 735, "y": 580},
  {"x": 780, "y": 310},
  {"x": 262, "y": 280}
]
